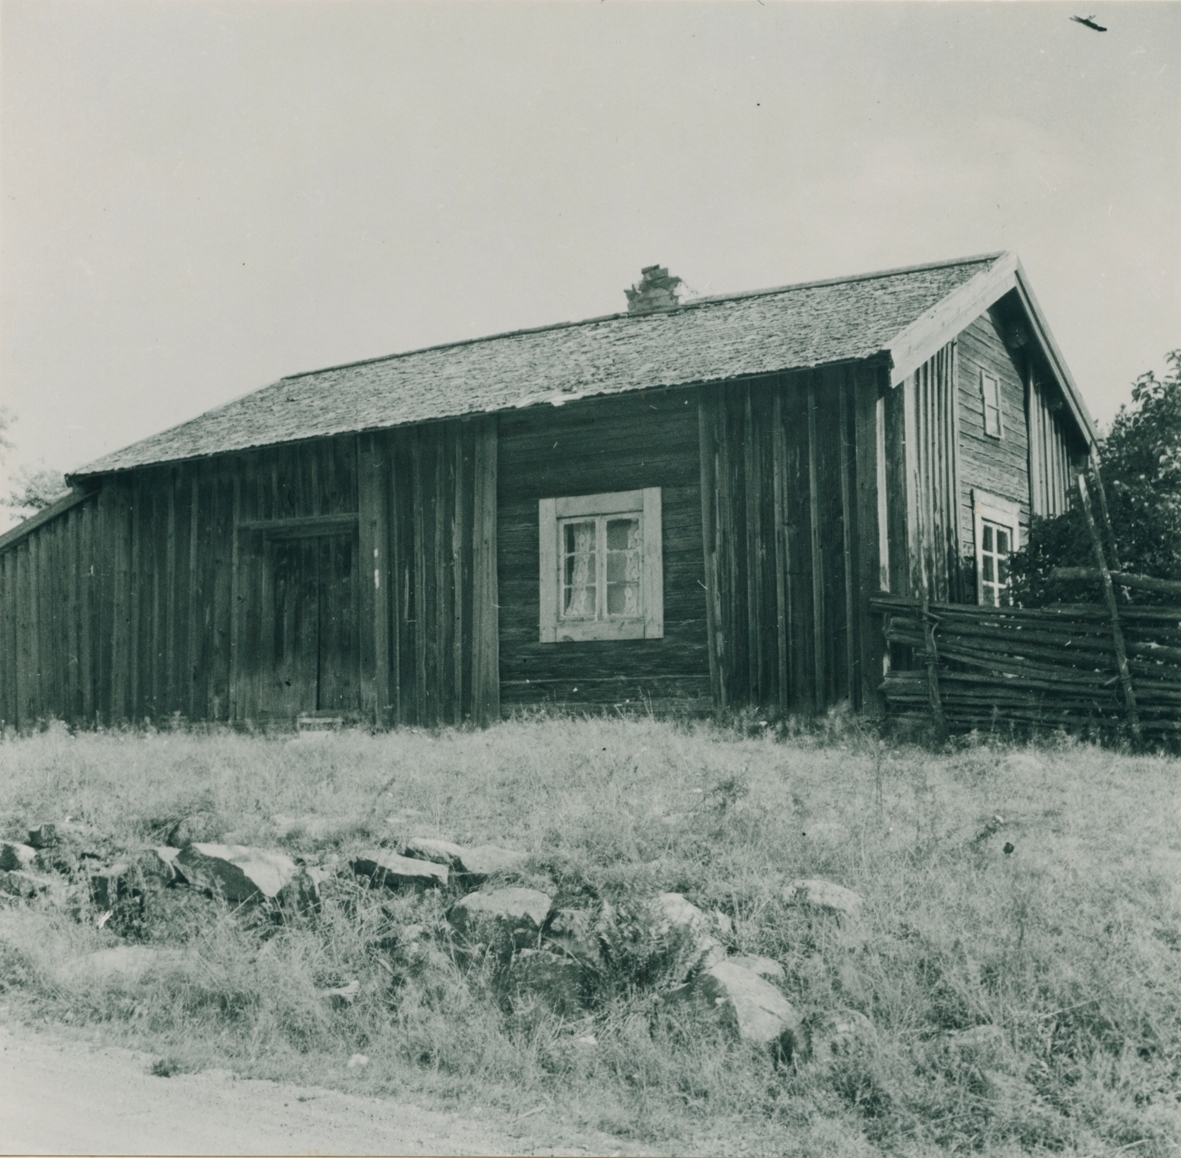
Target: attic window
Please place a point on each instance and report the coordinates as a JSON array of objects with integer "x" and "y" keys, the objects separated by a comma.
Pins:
[
  {"x": 990, "y": 392},
  {"x": 601, "y": 571}
]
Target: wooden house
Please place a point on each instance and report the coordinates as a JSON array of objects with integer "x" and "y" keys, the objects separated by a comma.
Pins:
[{"x": 685, "y": 505}]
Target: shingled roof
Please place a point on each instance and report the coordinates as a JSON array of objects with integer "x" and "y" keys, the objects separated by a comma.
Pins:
[{"x": 702, "y": 341}]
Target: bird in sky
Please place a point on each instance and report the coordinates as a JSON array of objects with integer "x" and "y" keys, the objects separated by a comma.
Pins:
[{"x": 1089, "y": 21}]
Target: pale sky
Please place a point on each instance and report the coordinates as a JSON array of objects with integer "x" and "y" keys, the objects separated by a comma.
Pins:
[{"x": 200, "y": 197}]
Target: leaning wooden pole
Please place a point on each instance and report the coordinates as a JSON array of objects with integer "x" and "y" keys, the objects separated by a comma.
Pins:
[
  {"x": 1121, "y": 655},
  {"x": 1101, "y": 494}
]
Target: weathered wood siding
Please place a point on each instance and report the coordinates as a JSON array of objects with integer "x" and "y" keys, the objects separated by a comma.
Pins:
[
  {"x": 790, "y": 521},
  {"x": 594, "y": 447},
  {"x": 997, "y": 465},
  {"x": 1053, "y": 455},
  {"x": 156, "y": 595}
]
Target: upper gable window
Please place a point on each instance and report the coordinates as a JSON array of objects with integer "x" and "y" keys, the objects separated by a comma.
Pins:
[
  {"x": 601, "y": 571},
  {"x": 990, "y": 392}
]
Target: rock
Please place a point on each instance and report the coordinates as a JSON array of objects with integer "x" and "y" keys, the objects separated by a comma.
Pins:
[
  {"x": 753, "y": 1008},
  {"x": 835, "y": 1034},
  {"x": 303, "y": 893},
  {"x": 504, "y": 919},
  {"x": 821, "y": 894},
  {"x": 438, "y": 851},
  {"x": 159, "y": 865},
  {"x": 18, "y": 883},
  {"x": 358, "y": 1059},
  {"x": 16, "y": 856},
  {"x": 388, "y": 868},
  {"x": 109, "y": 885},
  {"x": 685, "y": 933},
  {"x": 488, "y": 860},
  {"x": 763, "y": 966},
  {"x": 240, "y": 872},
  {"x": 572, "y": 932},
  {"x": 43, "y": 836},
  {"x": 198, "y": 827},
  {"x": 557, "y": 980},
  {"x": 124, "y": 963}
]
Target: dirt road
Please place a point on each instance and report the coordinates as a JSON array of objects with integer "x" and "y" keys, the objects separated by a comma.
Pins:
[{"x": 64, "y": 1096}]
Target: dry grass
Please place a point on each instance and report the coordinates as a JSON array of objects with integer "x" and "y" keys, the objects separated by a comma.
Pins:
[{"x": 1070, "y": 946}]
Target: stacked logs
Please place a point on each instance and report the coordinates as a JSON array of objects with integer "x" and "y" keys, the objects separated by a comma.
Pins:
[{"x": 1045, "y": 668}]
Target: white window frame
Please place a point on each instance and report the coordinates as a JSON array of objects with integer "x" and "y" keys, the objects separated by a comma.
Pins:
[
  {"x": 551, "y": 514},
  {"x": 1001, "y": 512},
  {"x": 985, "y": 381}
]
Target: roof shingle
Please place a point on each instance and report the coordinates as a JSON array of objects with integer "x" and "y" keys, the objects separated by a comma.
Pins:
[{"x": 707, "y": 340}]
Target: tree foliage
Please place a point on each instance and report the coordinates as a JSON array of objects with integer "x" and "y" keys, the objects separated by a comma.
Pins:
[
  {"x": 34, "y": 490},
  {"x": 1141, "y": 469}
]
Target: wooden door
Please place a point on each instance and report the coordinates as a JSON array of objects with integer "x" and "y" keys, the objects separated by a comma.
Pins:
[{"x": 313, "y": 645}]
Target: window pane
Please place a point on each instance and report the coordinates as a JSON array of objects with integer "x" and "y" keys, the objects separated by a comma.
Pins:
[
  {"x": 1002, "y": 569},
  {"x": 623, "y": 566},
  {"x": 1002, "y": 541},
  {"x": 623, "y": 599},
  {"x": 989, "y": 574},
  {"x": 988, "y": 537},
  {"x": 578, "y": 570}
]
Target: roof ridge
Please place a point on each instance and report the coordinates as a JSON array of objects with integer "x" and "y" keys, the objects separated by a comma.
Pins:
[{"x": 696, "y": 303}]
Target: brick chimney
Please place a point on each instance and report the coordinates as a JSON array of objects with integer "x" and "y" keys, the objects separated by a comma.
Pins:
[{"x": 655, "y": 291}]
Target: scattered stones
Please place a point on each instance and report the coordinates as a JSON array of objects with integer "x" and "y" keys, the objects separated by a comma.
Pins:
[
  {"x": 557, "y": 980},
  {"x": 822, "y": 894},
  {"x": 388, "y": 868},
  {"x": 489, "y": 860},
  {"x": 15, "y": 856},
  {"x": 835, "y": 1035},
  {"x": 198, "y": 827},
  {"x": 752, "y": 1007},
  {"x": 438, "y": 851},
  {"x": 240, "y": 872},
  {"x": 43, "y": 836},
  {"x": 504, "y": 919}
]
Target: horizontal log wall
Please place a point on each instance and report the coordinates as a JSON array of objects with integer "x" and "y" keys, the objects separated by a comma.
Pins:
[{"x": 594, "y": 447}]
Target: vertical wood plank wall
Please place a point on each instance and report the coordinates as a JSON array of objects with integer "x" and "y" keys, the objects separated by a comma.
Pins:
[
  {"x": 145, "y": 600},
  {"x": 1052, "y": 458},
  {"x": 933, "y": 478},
  {"x": 789, "y": 492}
]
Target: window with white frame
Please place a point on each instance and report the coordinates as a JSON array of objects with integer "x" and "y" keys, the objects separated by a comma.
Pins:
[
  {"x": 601, "y": 571},
  {"x": 990, "y": 393},
  {"x": 998, "y": 530}
]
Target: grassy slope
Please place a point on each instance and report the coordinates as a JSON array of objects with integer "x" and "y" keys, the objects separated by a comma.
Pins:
[{"x": 1070, "y": 945}]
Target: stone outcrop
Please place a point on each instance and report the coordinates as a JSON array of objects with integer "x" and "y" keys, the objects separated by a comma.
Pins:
[
  {"x": 502, "y": 919},
  {"x": 387, "y": 868},
  {"x": 685, "y": 933},
  {"x": 489, "y": 860},
  {"x": 748, "y": 1004},
  {"x": 43, "y": 836},
  {"x": 200, "y": 827},
  {"x": 433, "y": 849},
  {"x": 15, "y": 856},
  {"x": 824, "y": 895},
  {"x": 240, "y": 873}
]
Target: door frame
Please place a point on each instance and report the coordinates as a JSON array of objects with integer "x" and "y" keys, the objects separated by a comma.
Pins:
[{"x": 253, "y": 594}]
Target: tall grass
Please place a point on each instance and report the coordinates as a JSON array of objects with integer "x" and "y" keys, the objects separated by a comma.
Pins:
[{"x": 1068, "y": 947}]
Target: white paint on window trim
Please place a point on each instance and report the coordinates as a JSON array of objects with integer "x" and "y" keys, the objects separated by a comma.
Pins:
[
  {"x": 995, "y": 509},
  {"x": 649, "y": 624}
]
